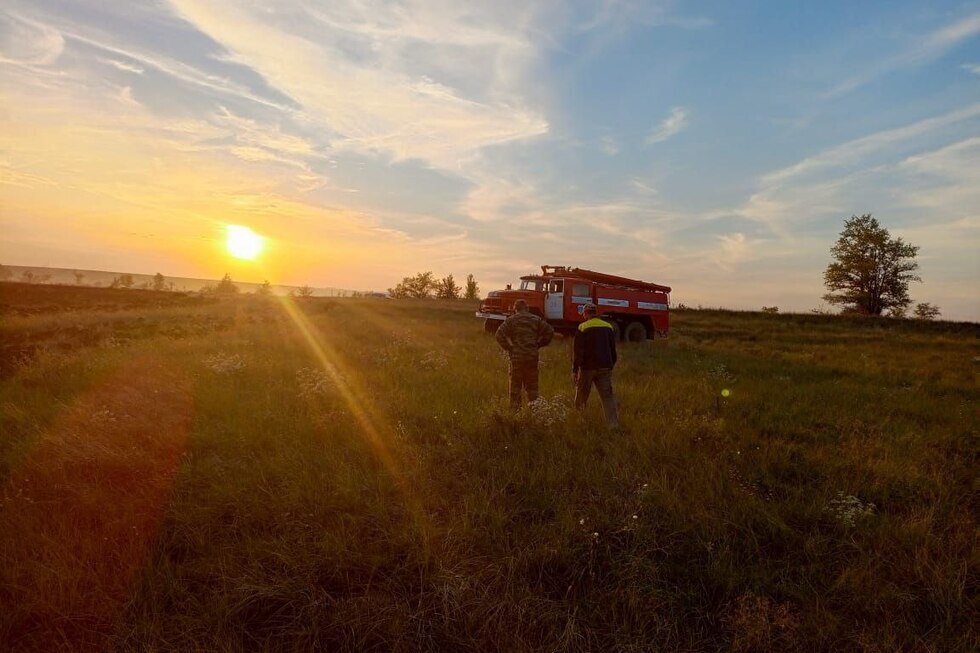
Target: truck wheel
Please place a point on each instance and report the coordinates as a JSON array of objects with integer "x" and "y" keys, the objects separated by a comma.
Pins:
[
  {"x": 617, "y": 330},
  {"x": 635, "y": 332},
  {"x": 491, "y": 326}
]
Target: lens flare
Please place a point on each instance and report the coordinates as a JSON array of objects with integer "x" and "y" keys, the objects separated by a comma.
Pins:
[
  {"x": 726, "y": 393},
  {"x": 242, "y": 242}
]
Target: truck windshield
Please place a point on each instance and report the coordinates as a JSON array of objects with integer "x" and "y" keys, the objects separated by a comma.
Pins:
[{"x": 530, "y": 284}]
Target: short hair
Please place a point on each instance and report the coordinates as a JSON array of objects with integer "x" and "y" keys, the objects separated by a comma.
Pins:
[
  {"x": 520, "y": 306},
  {"x": 590, "y": 309}
]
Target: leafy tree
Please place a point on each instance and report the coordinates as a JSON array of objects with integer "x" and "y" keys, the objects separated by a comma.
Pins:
[
  {"x": 78, "y": 277},
  {"x": 418, "y": 287},
  {"x": 871, "y": 270},
  {"x": 897, "y": 312},
  {"x": 446, "y": 288},
  {"x": 472, "y": 288},
  {"x": 265, "y": 289},
  {"x": 122, "y": 281},
  {"x": 926, "y": 311},
  {"x": 304, "y": 291},
  {"x": 159, "y": 282},
  {"x": 770, "y": 309},
  {"x": 226, "y": 286}
]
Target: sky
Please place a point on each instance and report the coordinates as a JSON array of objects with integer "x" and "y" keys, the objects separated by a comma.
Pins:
[{"x": 716, "y": 147}]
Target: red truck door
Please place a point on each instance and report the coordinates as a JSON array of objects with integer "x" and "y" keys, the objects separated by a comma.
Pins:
[{"x": 579, "y": 294}]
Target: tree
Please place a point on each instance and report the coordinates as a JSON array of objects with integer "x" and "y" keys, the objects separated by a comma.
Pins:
[
  {"x": 78, "y": 277},
  {"x": 897, "y": 312},
  {"x": 472, "y": 288},
  {"x": 122, "y": 281},
  {"x": 446, "y": 288},
  {"x": 226, "y": 286},
  {"x": 159, "y": 282},
  {"x": 5, "y": 273},
  {"x": 871, "y": 270},
  {"x": 27, "y": 276},
  {"x": 418, "y": 287},
  {"x": 304, "y": 291},
  {"x": 265, "y": 289},
  {"x": 926, "y": 311}
]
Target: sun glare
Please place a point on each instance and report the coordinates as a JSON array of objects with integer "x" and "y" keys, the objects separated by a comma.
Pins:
[{"x": 243, "y": 243}]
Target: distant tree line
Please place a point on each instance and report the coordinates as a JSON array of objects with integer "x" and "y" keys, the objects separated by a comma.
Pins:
[{"x": 424, "y": 285}]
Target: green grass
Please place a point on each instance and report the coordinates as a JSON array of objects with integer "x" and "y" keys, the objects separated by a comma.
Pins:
[{"x": 389, "y": 501}]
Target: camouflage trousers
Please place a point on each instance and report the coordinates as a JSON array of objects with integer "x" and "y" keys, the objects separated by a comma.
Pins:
[
  {"x": 523, "y": 377},
  {"x": 602, "y": 379}
]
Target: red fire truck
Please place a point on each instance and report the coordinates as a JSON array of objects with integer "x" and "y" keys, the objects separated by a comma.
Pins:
[{"x": 637, "y": 309}]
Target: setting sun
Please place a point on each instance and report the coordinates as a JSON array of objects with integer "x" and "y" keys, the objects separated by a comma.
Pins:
[{"x": 242, "y": 242}]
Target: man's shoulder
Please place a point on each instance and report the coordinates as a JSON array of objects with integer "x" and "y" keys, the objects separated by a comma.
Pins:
[
  {"x": 524, "y": 317},
  {"x": 593, "y": 323}
]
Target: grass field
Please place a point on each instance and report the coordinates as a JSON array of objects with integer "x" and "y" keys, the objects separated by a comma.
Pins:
[{"x": 260, "y": 474}]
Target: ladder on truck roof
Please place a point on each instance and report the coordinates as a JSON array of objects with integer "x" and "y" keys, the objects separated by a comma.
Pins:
[{"x": 600, "y": 277}]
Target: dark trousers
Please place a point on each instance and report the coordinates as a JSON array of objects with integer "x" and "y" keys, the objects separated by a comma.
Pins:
[
  {"x": 523, "y": 377},
  {"x": 602, "y": 379}
]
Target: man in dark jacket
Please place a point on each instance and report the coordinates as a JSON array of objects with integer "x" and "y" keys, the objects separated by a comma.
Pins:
[
  {"x": 593, "y": 362},
  {"x": 521, "y": 335}
]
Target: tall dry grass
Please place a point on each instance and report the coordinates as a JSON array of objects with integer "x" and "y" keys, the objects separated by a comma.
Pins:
[{"x": 351, "y": 480}]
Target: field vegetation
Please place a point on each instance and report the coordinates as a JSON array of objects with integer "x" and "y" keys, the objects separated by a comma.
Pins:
[{"x": 261, "y": 473}]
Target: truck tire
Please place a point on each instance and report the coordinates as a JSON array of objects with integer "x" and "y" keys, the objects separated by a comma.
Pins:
[
  {"x": 617, "y": 330},
  {"x": 491, "y": 326},
  {"x": 635, "y": 332}
]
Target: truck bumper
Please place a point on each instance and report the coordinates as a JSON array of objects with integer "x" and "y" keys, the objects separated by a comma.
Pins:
[{"x": 491, "y": 316}]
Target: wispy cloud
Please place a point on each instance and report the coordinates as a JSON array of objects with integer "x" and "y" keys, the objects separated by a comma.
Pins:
[
  {"x": 971, "y": 68},
  {"x": 924, "y": 48},
  {"x": 123, "y": 65},
  {"x": 365, "y": 81},
  {"x": 609, "y": 145},
  {"x": 27, "y": 42},
  {"x": 670, "y": 126},
  {"x": 856, "y": 150}
]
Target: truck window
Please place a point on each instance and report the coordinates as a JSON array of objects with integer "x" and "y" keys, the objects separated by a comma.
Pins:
[
  {"x": 531, "y": 285},
  {"x": 557, "y": 286},
  {"x": 581, "y": 290}
]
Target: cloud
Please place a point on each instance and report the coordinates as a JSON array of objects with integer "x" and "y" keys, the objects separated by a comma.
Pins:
[
  {"x": 971, "y": 68},
  {"x": 734, "y": 248},
  {"x": 123, "y": 65},
  {"x": 109, "y": 44},
  {"x": 609, "y": 145},
  {"x": 946, "y": 37},
  {"x": 671, "y": 125},
  {"x": 388, "y": 78},
  {"x": 25, "y": 42},
  {"x": 859, "y": 149},
  {"x": 925, "y": 48},
  {"x": 617, "y": 16}
]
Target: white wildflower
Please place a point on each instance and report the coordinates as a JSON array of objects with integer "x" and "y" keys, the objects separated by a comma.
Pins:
[
  {"x": 848, "y": 509},
  {"x": 548, "y": 412},
  {"x": 434, "y": 360},
  {"x": 313, "y": 382},
  {"x": 719, "y": 371},
  {"x": 221, "y": 363}
]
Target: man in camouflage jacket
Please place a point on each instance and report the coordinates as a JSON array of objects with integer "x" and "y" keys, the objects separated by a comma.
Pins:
[{"x": 521, "y": 335}]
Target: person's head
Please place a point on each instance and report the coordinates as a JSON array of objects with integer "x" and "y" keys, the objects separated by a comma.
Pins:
[
  {"x": 590, "y": 310},
  {"x": 520, "y": 306}
]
